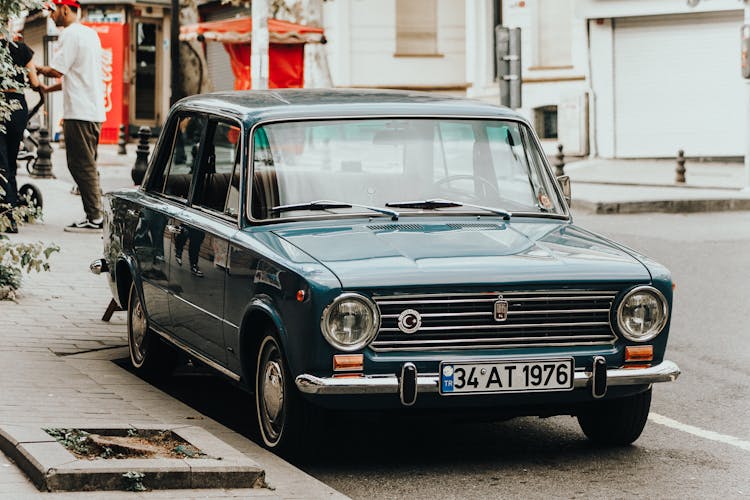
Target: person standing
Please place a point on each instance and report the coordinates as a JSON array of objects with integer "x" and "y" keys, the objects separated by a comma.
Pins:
[
  {"x": 78, "y": 62},
  {"x": 11, "y": 132}
]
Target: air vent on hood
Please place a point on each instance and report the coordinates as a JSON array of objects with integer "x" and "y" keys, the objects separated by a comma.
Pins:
[
  {"x": 437, "y": 227},
  {"x": 474, "y": 227},
  {"x": 396, "y": 227}
]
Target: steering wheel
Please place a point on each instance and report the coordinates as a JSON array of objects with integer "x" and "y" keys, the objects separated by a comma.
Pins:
[{"x": 467, "y": 196}]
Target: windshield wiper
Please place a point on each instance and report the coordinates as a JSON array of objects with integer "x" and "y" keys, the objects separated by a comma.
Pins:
[
  {"x": 328, "y": 204},
  {"x": 433, "y": 204}
]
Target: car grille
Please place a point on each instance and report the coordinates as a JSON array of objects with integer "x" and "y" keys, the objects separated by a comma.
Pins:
[{"x": 467, "y": 320}]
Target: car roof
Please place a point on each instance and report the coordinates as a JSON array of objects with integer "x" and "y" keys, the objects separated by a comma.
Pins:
[{"x": 251, "y": 106}]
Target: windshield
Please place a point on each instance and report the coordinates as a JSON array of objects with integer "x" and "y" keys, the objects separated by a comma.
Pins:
[{"x": 333, "y": 166}]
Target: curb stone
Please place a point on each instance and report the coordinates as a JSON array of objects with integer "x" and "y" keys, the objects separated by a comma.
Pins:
[
  {"x": 664, "y": 206},
  {"x": 51, "y": 467}
]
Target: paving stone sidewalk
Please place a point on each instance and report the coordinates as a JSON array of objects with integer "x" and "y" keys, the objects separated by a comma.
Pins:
[{"x": 56, "y": 356}]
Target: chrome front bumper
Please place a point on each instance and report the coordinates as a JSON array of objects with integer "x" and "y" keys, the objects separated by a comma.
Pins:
[
  {"x": 99, "y": 266},
  {"x": 667, "y": 371}
]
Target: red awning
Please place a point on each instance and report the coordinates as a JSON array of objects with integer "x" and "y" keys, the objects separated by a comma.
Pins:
[
  {"x": 285, "y": 51},
  {"x": 239, "y": 30}
]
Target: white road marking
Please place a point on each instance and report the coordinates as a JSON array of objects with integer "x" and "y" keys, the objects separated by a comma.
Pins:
[{"x": 697, "y": 431}]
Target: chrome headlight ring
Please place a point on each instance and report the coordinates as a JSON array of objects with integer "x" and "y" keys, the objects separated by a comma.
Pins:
[
  {"x": 361, "y": 310},
  {"x": 659, "y": 308}
]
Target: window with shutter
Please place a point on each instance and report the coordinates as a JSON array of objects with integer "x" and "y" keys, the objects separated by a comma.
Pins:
[
  {"x": 554, "y": 33},
  {"x": 416, "y": 27}
]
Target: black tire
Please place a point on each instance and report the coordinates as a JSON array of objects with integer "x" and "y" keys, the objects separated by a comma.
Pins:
[
  {"x": 282, "y": 415},
  {"x": 149, "y": 355},
  {"x": 618, "y": 422}
]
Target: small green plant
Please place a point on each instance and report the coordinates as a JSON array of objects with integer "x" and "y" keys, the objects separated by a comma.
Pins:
[
  {"x": 75, "y": 440},
  {"x": 134, "y": 481},
  {"x": 16, "y": 257}
]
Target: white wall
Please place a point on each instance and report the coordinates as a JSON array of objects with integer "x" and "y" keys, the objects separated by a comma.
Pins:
[
  {"x": 362, "y": 43},
  {"x": 542, "y": 86}
]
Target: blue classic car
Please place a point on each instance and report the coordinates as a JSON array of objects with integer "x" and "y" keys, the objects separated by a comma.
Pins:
[{"x": 378, "y": 250}]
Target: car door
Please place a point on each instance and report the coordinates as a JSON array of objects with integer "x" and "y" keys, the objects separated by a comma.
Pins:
[
  {"x": 200, "y": 241},
  {"x": 166, "y": 192}
]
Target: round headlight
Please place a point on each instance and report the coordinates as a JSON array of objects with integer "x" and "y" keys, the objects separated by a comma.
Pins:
[
  {"x": 642, "y": 314},
  {"x": 350, "y": 322}
]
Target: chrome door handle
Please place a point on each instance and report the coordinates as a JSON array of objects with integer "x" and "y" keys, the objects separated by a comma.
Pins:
[{"x": 174, "y": 229}]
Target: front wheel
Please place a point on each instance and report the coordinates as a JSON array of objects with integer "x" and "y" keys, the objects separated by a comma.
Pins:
[
  {"x": 149, "y": 355},
  {"x": 618, "y": 422},
  {"x": 282, "y": 414}
]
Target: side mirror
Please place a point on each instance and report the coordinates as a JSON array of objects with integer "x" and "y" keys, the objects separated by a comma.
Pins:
[{"x": 564, "y": 182}]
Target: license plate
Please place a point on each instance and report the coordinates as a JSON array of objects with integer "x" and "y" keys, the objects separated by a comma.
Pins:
[{"x": 490, "y": 377}]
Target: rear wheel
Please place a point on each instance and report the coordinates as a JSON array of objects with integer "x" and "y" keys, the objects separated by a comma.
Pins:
[
  {"x": 618, "y": 422},
  {"x": 281, "y": 411},
  {"x": 149, "y": 355}
]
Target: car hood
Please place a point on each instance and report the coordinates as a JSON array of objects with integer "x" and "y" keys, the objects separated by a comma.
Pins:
[{"x": 466, "y": 253}]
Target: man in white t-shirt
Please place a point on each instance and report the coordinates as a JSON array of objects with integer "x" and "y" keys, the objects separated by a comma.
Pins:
[{"x": 78, "y": 61}]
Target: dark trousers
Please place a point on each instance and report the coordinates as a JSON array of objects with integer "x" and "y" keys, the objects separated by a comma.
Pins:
[
  {"x": 10, "y": 141},
  {"x": 81, "y": 142}
]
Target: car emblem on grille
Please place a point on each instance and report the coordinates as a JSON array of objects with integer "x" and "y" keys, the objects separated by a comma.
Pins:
[
  {"x": 501, "y": 310},
  {"x": 409, "y": 321}
]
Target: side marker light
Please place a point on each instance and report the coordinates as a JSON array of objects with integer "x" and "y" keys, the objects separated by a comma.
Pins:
[{"x": 639, "y": 353}]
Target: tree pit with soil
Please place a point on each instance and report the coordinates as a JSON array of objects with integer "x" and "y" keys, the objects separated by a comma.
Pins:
[{"x": 99, "y": 444}]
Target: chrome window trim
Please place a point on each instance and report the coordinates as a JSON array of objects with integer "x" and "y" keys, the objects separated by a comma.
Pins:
[
  {"x": 664, "y": 308},
  {"x": 566, "y": 215}
]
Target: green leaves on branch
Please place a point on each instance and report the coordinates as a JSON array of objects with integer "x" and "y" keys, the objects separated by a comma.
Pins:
[
  {"x": 17, "y": 258},
  {"x": 10, "y": 9}
]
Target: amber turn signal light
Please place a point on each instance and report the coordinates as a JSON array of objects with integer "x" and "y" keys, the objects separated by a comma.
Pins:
[
  {"x": 348, "y": 362},
  {"x": 639, "y": 353}
]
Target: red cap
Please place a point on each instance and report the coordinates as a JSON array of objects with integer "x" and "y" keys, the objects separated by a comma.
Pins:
[{"x": 69, "y": 3}]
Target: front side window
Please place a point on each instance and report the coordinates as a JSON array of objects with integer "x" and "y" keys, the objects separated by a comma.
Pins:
[
  {"x": 218, "y": 183},
  {"x": 375, "y": 162}
]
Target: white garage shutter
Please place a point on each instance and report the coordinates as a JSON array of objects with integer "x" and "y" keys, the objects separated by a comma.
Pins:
[
  {"x": 678, "y": 86},
  {"x": 219, "y": 67}
]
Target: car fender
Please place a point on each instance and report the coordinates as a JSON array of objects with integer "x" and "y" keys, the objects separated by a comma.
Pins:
[
  {"x": 264, "y": 305},
  {"x": 123, "y": 291}
]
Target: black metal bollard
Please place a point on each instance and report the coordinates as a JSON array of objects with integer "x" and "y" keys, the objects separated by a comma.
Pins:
[
  {"x": 680, "y": 170},
  {"x": 141, "y": 156},
  {"x": 43, "y": 164},
  {"x": 122, "y": 139},
  {"x": 559, "y": 161}
]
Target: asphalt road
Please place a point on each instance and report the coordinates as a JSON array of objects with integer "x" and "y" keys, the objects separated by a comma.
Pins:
[{"x": 696, "y": 444}]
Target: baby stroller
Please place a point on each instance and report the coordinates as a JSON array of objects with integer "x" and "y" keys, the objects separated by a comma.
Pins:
[{"x": 29, "y": 193}]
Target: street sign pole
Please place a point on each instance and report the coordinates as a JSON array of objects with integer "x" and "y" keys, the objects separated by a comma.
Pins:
[
  {"x": 259, "y": 47},
  {"x": 508, "y": 57},
  {"x": 174, "y": 52},
  {"x": 746, "y": 36}
]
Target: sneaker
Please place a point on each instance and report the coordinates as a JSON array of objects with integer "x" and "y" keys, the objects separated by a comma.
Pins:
[
  {"x": 195, "y": 271},
  {"x": 85, "y": 226}
]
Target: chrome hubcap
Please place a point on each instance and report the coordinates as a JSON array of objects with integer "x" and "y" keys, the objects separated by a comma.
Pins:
[
  {"x": 138, "y": 330},
  {"x": 273, "y": 391}
]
